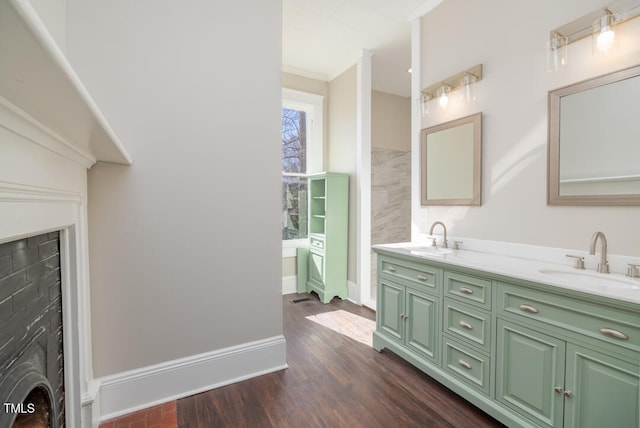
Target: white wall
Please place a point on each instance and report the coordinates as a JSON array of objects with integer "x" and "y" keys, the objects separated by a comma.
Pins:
[
  {"x": 390, "y": 121},
  {"x": 185, "y": 243},
  {"x": 458, "y": 34},
  {"x": 341, "y": 156}
]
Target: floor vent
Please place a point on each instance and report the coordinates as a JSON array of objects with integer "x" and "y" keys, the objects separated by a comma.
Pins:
[{"x": 302, "y": 299}]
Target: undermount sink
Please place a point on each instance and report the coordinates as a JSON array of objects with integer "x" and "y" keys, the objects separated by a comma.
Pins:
[
  {"x": 430, "y": 251},
  {"x": 592, "y": 279}
]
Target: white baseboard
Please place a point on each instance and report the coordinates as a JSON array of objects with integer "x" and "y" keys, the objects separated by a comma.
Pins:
[
  {"x": 353, "y": 293},
  {"x": 289, "y": 284},
  {"x": 138, "y": 389}
]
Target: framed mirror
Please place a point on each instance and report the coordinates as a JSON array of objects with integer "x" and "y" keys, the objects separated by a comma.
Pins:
[
  {"x": 451, "y": 161},
  {"x": 594, "y": 141}
]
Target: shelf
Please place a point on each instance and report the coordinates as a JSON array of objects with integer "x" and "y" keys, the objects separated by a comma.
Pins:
[{"x": 39, "y": 86}]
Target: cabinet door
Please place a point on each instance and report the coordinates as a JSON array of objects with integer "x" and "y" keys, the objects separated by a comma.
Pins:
[
  {"x": 529, "y": 368},
  {"x": 390, "y": 307},
  {"x": 316, "y": 267},
  {"x": 421, "y": 320},
  {"x": 605, "y": 392}
]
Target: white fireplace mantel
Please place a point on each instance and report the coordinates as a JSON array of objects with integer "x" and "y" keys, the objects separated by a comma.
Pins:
[
  {"x": 38, "y": 84},
  {"x": 51, "y": 133}
]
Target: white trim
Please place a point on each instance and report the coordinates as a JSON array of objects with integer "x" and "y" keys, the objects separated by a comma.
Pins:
[
  {"x": 363, "y": 171},
  {"x": 305, "y": 73},
  {"x": 353, "y": 294},
  {"x": 289, "y": 284},
  {"x": 133, "y": 390},
  {"x": 290, "y": 251},
  {"x": 20, "y": 123},
  {"x": 42, "y": 52},
  {"x": 416, "y": 125},
  {"x": 423, "y": 10}
]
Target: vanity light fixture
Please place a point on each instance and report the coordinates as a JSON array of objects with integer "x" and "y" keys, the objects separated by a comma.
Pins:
[
  {"x": 441, "y": 90},
  {"x": 599, "y": 24}
]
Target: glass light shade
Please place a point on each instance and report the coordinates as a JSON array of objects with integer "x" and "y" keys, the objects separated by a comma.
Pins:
[
  {"x": 604, "y": 36},
  {"x": 443, "y": 98},
  {"x": 423, "y": 104},
  {"x": 468, "y": 94},
  {"x": 556, "y": 52}
]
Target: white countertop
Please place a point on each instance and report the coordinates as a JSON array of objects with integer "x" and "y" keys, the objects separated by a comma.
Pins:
[{"x": 612, "y": 285}]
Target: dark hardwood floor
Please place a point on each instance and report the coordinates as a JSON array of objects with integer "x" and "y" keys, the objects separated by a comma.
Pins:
[{"x": 332, "y": 381}]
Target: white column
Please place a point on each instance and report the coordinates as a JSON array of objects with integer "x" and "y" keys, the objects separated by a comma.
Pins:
[{"x": 363, "y": 170}]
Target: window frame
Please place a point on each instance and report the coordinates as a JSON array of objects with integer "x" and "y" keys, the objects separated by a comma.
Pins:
[{"x": 313, "y": 106}]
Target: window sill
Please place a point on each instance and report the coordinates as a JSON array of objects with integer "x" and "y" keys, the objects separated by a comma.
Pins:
[{"x": 290, "y": 247}]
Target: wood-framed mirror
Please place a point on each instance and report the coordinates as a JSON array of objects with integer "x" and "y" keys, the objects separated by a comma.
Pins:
[
  {"x": 594, "y": 141},
  {"x": 451, "y": 162}
]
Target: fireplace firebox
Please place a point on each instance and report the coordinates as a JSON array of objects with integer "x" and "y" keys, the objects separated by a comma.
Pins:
[{"x": 31, "y": 342}]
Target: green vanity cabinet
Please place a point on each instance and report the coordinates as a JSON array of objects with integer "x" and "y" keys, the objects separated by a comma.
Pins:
[
  {"x": 529, "y": 354},
  {"x": 326, "y": 257},
  {"x": 530, "y": 364},
  {"x": 410, "y": 298},
  {"x": 410, "y": 318},
  {"x": 582, "y": 372}
]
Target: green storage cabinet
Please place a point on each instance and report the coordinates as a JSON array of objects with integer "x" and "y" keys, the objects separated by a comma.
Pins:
[{"x": 327, "y": 255}]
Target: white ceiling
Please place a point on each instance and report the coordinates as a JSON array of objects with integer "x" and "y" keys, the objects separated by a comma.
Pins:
[{"x": 323, "y": 38}]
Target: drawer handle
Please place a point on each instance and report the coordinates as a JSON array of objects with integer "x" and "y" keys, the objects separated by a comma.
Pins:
[
  {"x": 466, "y": 290},
  {"x": 466, "y": 325},
  {"x": 464, "y": 364},
  {"x": 530, "y": 309},
  {"x": 422, "y": 277},
  {"x": 391, "y": 269},
  {"x": 614, "y": 333}
]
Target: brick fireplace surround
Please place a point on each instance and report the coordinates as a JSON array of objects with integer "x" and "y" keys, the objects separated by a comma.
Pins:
[{"x": 31, "y": 339}]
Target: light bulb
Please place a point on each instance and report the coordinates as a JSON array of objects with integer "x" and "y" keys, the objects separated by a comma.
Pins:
[
  {"x": 605, "y": 39},
  {"x": 443, "y": 100},
  {"x": 603, "y": 34}
]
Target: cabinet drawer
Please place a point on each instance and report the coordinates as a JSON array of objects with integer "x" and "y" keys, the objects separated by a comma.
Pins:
[
  {"x": 464, "y": 363},
  {"x": 468, "y": 323},
  {"x": 597, "y": 321},
  {"x": 470, "y": 289},
  {"x": 413, "y": 272},
  {"x": 317, "y": 243}
]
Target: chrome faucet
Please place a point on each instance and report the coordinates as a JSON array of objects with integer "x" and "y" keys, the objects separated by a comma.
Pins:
[
  {"x": 603, "y": 266},
  {"x": 444, "y": 242}
]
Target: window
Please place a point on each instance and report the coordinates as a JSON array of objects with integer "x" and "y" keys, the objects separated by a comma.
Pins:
[{"x": 301, "y": 155}]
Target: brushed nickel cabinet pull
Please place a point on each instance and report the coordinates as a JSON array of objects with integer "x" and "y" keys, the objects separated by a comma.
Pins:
[
  {"x": 391, "y": 269},
  {"x": 422, "y": 277},
  {"x": 464, "y": 364},
  {"x": 614, "y": 333},
  {"x": 466, "y": 325},
  {"x": 568, "y": 394},
  {"x": 466, "y": 290},
  {"x": 528, "y": 308},
  {"x": 558, "y": 389}
]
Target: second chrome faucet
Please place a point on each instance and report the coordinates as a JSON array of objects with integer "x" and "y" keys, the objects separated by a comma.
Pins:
[
  {"x": 603, "y": 266},
  {"x": 444, "y": 228}
]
